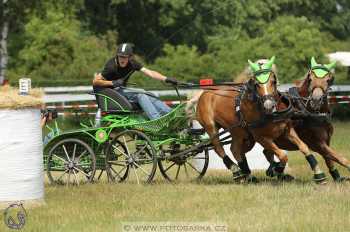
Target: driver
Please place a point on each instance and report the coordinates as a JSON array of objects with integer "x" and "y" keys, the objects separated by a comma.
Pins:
[{"x": 116, "y": 73}]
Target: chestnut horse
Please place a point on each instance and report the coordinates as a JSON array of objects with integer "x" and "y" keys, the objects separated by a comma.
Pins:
[
  {"x": 313, "y": 126},
  {"x": 249, "y": 116}
]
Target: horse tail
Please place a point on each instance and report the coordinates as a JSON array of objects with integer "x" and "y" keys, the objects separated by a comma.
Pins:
[{"x": 191, "y": 105}]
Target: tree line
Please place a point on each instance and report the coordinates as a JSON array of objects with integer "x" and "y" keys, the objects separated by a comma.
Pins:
[{"x": 63, "y": 42}]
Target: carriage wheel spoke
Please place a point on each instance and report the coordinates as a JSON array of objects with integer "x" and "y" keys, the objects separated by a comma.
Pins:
[
  {"x": 169, "y": 167},
  {"x": 186, "y": 171},
  {"x": 65, "y": 172},
  {"x": 177, "y": 172},
  {"x": 75, "y": 177},
  {"x": 60, "y": 158},
  {"x": 126, "y": 146},
  {"x": 74, "y": 150},
  {"x": 118, "y": 172},
  {"x": 114, "y": 171},
  {"x": 65, "y": 151},
  {"x": 120, "y": 151},
  {"x": 193, "y": 167},
  {"x": 78, "y": 169},
  {"x": 118, "y": 162},
  {"x": 83, "y": 153},
  {"x": 141, "y": 150},
  {"x": 68, "y": 182},
  {"x": 142, "y": 169},
  {"x": 137, "y": 177},
  {"x": 150, "y": 159}
]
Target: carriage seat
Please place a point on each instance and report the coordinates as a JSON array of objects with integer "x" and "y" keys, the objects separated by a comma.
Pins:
[{"x": 111, "y": 101}]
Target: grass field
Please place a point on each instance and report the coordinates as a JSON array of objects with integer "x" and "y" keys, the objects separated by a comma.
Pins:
[{"x": 267, "y": 206}]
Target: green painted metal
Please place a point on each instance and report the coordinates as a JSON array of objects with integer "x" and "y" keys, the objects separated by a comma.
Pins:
[
  {"x": 166, "y": 130},
  {"x": 101, "y": 136},
  {"x": 105, "y": 100}
]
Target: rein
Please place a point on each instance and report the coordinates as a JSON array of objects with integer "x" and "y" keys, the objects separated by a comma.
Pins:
[
  {"x": 265, "y": 118},
  {"x": 301, "y": 104},
  {"x": 275, "y": 117}
]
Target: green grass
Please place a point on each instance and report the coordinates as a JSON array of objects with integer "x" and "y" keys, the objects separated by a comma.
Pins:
[{"x": 267, "y": 206}]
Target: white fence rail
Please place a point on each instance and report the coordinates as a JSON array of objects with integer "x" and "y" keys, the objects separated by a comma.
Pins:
[{"x": 80, "y": 93}]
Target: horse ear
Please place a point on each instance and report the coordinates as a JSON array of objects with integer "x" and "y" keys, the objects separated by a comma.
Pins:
[
  {"x": 313, "y": 62},
  {"x": 331, "y": 65},
  {"x": 269, "y": 64},
  {"x": 253, "y": 66},
  {"x": 251, "y": 82}
]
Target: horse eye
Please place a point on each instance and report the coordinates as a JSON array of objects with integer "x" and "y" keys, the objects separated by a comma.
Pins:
[{"x": 330, "y": 81}]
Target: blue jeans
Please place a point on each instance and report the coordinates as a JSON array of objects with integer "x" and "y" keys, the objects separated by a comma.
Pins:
[{"x": 150, "y": 104}]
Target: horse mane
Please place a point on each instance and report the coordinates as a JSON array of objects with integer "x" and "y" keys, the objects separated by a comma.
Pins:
[
  {"x": 302, "y": 85},
  {"x": 244, "y": 76}
]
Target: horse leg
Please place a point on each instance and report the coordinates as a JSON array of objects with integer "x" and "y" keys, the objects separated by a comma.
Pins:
[
  {"x": 330, "y": 156},
  {"x": 334, "y": 171},
  {"x": 212, "y": 132},
  {"x": 319, "y": 176},
  {"x": 269, "y": 155},
  {"x": 272, "y": 148},
  {"x": 271, "y": 171},
  {"x": 237, "y": 152}
]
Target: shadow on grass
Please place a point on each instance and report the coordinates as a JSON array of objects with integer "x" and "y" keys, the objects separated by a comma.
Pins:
[{"x": 262, "y": 181}]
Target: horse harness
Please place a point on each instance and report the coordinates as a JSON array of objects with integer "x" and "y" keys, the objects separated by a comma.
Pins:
[
  {"x": 296, "y": 110},
  {"x": 266, "y": 118},
  {"x": 300, "y": 112},
  {"x": 275, "y": 117}
]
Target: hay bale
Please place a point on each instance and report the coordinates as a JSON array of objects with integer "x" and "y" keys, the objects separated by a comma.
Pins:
[
  {"x": 21, "y": 147},
  {"x": 10, "y": 99}
]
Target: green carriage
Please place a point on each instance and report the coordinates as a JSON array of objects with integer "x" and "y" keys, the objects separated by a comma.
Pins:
[{"x": 127, "y": 146}]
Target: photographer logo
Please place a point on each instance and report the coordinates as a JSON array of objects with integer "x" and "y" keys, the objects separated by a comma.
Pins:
[{"x": 15, "y": 216}]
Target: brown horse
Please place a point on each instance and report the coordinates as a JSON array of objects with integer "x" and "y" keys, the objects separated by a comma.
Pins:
[
  {"x": 248, "y": 116},
  {"x": 313, "y": 126}
]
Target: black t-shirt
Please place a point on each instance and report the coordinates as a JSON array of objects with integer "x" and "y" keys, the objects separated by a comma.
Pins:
[{"x": 112, "y": 70}]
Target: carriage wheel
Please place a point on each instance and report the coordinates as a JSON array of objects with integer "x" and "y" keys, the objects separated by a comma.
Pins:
[
  {"x": 188, "y": 168},
  {"x": 71, "y": 162},
  {"x": 131, "y": 154},
  {"x": 115, "y": 161}
]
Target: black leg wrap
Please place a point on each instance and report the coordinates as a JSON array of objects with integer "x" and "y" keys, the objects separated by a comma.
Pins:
[
  {"x": 243, "y": 165},
  {"x": 270, "y": 171},
  {"x": 279, "y": 168},
  {"x": 319, "y": 178},
  {"x": 228, "y": 162},
  {"x": 335, "y": 174},
  {"x": 238, "y": 175},
  {"x": 312, "y": 161}
]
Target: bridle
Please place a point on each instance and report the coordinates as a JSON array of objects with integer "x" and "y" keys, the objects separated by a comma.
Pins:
[
  {"x": 250, "y": 92},
  {"x": 316, "y": 106},
  {"x": 253, "y": 94}
]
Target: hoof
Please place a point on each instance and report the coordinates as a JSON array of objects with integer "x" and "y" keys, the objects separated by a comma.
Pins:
[
  {"x": 247, "y": 179},
  {"x": 285, "y": 177},
  {"x": 342, "y": 179},
  {"x": 271, "y": 171},
  {"x": 238, "y": 175},
  {"x": 251, "y": 180},
  {"x": 320, "y": 178}
]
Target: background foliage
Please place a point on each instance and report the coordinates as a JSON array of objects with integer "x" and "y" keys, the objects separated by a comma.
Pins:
[{"x": 64, "y": 42}]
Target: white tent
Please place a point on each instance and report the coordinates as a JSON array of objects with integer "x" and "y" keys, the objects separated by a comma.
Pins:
[{"x": 342, "y": 57}]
